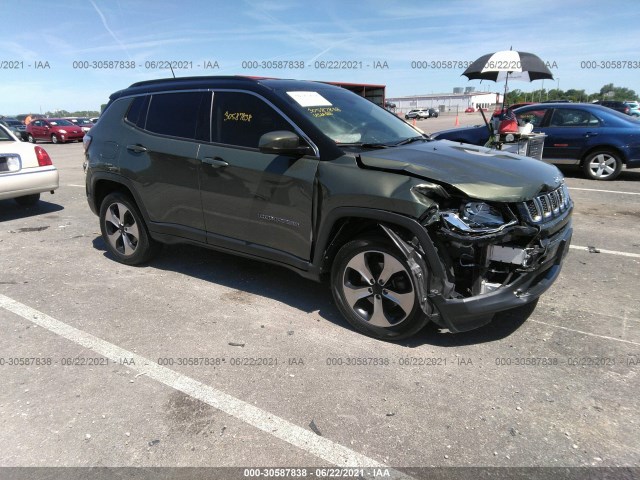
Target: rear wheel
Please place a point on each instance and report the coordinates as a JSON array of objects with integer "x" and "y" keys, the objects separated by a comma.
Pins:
[
  {"x": 124, "y": 231},
  {"x": 374, "y": 290},
  {"x": 602, "y": 165},
  {"x": 28, "y": 200}
]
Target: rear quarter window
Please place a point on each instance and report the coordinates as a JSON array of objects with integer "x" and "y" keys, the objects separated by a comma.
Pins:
[{"x": 137, "y": 113}]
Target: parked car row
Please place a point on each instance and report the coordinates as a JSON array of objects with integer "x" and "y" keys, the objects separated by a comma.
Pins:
[
  {"x": 598, "y": 139},
  {"x": 55, "y": 130}
]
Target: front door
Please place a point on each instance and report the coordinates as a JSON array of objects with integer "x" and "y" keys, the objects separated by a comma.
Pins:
[
  {"x": 251, "y": 200},
  {"x": 569, "y": 133}
]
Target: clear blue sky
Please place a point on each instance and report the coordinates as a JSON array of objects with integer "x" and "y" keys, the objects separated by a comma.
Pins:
[{"x": 563, "y": 33}]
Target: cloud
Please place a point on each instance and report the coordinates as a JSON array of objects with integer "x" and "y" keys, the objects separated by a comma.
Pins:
[{"x": 106, "y": 26}]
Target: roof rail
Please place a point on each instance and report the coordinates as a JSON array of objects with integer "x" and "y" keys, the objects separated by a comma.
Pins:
[{"x": 193, "y": 79}]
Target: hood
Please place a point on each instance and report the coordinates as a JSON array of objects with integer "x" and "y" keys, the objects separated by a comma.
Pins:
[{"x": 479, "y": 172}]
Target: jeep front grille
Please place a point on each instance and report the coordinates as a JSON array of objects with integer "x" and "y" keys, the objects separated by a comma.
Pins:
[{"x": 547, "y": 206}]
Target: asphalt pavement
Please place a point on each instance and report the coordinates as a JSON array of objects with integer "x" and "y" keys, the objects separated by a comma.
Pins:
[{"x": 204, "y": 359}]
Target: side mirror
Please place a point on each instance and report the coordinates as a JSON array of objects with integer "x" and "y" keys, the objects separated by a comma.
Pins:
[{"x": 283, "y": 142}]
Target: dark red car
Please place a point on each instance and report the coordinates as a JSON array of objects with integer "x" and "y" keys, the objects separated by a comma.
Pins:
[{"x": 56, "y": 130}]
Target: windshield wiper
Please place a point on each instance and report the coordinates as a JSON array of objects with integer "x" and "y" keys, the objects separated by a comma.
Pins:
[{"x": 406, "y": 141}]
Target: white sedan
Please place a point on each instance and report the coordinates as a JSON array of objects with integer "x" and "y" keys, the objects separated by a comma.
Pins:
[{"x": 25, "y": 170}]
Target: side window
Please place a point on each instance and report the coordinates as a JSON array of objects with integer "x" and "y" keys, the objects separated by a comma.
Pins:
[
  {"x": 179, "y": 114},
  {"x": 241, "y": 119},
  {"x": 137, "y": 113},
  {"x": 534, "y": 117},
  {"x": 567, "y": 117}
]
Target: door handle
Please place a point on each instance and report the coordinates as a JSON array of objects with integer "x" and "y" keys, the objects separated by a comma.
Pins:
[
  {"x": 591, "y": 134},
  {"x": 136, "y": 148},
  {"x": 215, "y": 162}
]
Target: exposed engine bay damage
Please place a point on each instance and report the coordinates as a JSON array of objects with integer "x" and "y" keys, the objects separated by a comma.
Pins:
[{"x": 487, "y": 247}]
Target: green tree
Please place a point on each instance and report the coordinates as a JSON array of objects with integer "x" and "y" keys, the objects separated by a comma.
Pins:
[{"x": 611, "y": 92}]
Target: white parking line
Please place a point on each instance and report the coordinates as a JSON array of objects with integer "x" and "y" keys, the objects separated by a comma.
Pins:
[
  {"x": 278, "y": 427},
  {"x": 583, "y": 332},
  {"x": 605, "y": 191},
  {"x": 74, "y": 185},
  {"x": 610, "y": 252}
]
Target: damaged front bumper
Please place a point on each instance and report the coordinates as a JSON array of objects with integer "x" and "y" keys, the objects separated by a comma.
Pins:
[
  {"x": 530, "y": 257},
  {"x": 463, "y": 314}
]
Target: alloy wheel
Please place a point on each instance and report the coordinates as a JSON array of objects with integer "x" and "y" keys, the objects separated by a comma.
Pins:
[
  {"x": 378, "y": 288},
  {"x": 602, "y": 165},
  {"x": 121, "y": 229}
]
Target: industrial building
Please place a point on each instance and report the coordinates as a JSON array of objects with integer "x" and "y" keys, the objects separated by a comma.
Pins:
[{"x": 456, "y": 102}]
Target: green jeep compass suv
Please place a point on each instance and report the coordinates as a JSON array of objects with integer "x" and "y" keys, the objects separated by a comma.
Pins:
[{"x": 316, "y": 178}]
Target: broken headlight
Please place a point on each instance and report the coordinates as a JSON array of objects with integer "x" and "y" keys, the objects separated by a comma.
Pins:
[{"x": 477, "y": 217}]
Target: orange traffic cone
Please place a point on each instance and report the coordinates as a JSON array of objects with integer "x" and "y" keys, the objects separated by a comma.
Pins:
[
  {"x": 414, "y": 121},
  {"x": 457, "y": 124}
]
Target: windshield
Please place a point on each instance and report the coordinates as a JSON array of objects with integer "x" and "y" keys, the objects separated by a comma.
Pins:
[
  {"x": 80, "y": 121},
  {"x": 348, "y": 119},
  {"x": 61, "y": 123}
]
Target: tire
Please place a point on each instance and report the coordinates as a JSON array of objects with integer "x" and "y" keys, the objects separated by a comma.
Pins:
[
  {"x": 124, "y": 231},
  {"x": 602, "y": 165},
  {"x": 387, "y": 310},
  {"x": 28, "y": 200},
  {"x": 54, "y": 138},
  {"x": 31, "y": 138}
]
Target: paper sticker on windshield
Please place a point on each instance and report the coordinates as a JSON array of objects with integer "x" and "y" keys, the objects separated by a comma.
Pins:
[
  {"x": 309, "y": 99},
  {"x": 322, "y": 111}
]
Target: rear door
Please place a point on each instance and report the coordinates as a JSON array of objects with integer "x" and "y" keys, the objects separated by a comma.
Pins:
[
  {"x": 254, "y": 201},
  {"x": 159, "y": 154}
]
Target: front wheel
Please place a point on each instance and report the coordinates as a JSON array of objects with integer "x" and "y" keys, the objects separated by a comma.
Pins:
[
  {"x": 55, "y": 139},
  {"x": 124, "y": 231},
  {"x": 602, "y": 165},
  {"x": 374, "y": 291},
  {"x": 31, "y": 138}
]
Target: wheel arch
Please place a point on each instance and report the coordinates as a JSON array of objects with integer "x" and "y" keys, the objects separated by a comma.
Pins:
[
  {"x": 603, "y": 147},
  {"x": 103, "y": 185},
  {"x": 345, "y": 223}
]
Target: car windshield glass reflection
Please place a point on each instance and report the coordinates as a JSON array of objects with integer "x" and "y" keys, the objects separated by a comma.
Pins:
[
  {"x": 61, "y": 123},
  {"x": 349, "y": 119}
]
